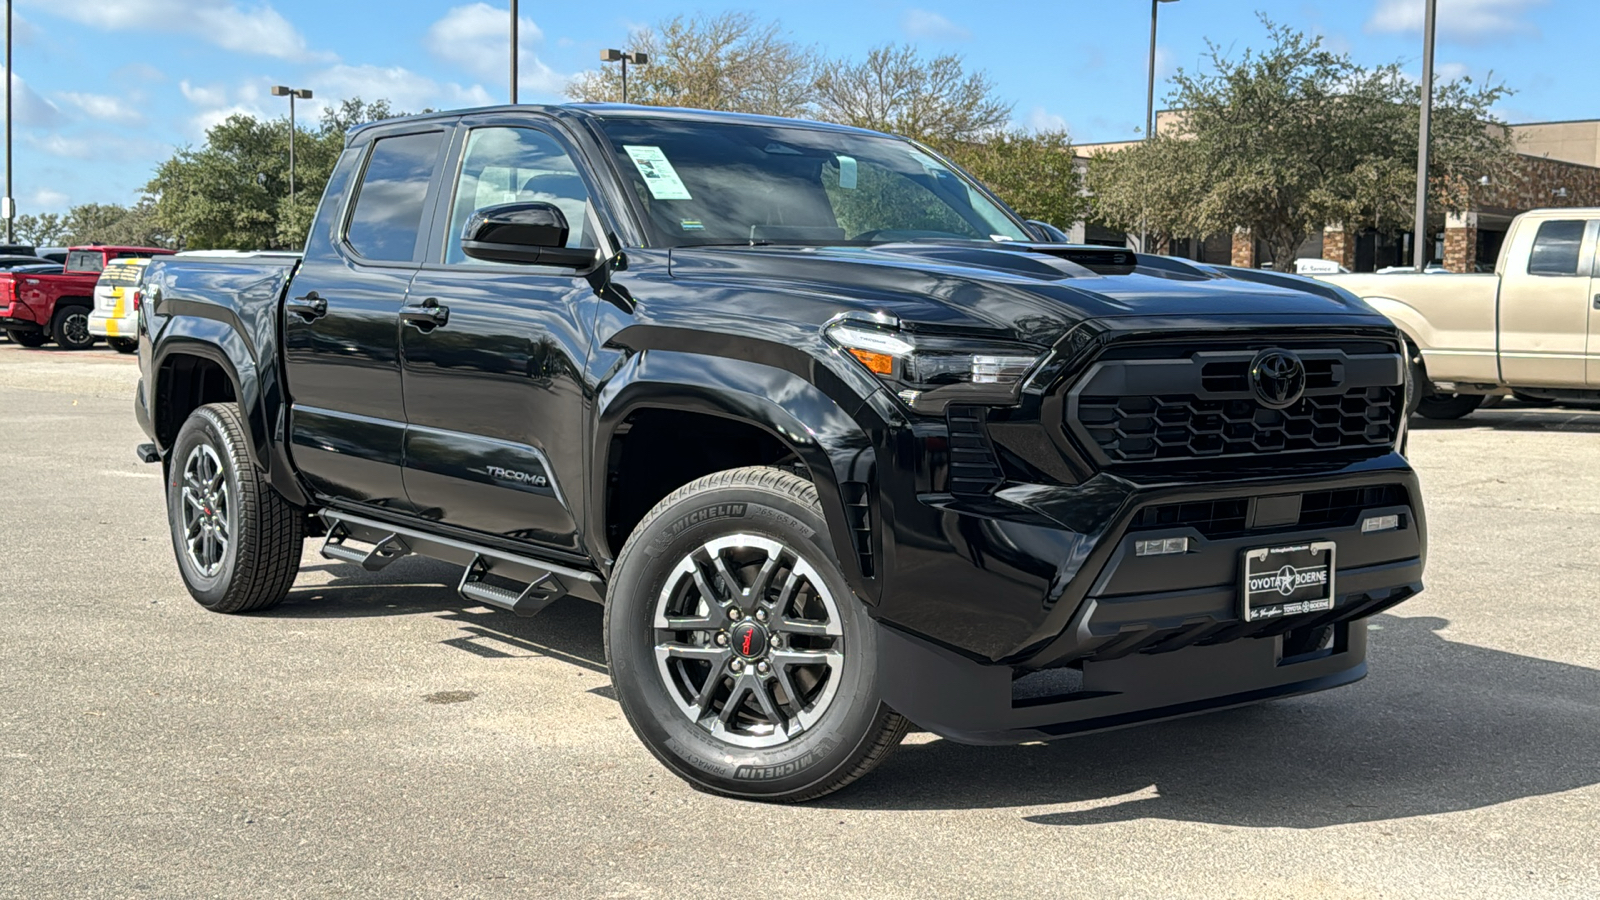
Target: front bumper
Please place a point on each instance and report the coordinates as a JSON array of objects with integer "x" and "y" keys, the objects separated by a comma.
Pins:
[{"x": 1044, "y": 578}]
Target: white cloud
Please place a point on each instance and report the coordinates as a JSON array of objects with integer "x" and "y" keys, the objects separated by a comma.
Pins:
[
  {"x": 240, "y": 27},
  {"x": 1041, "y": 119},
  {"x": 1464, "y": 20},
  {"x": 405, "y": 90},
  {"x": 928, "y": 25},
  {"x": 43, "y": 200},
  {"x": 475, "y": 38},
  {"x": 31, "y": 110},
  {"x": 103, "y": 108},
  {"x": 201, "y": 95}
]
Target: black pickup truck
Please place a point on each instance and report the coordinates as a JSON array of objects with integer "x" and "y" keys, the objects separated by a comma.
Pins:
[{"x": 842, "y": 444}]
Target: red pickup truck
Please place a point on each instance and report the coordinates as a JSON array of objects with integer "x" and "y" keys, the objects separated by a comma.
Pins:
[{"x": 35, "y": 308}]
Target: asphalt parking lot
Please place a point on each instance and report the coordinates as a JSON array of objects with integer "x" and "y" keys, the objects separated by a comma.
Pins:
[{"x": 374, "y": 737}]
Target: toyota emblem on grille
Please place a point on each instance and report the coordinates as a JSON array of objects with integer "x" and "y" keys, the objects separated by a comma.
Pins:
[{"x": 1278, "y": 377}]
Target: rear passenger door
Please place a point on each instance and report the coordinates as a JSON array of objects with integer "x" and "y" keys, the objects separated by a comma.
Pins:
[
  {"x": 1546, "y": 304},
  {"x": 494, "y": 388},
  {"x": 340, "y": 321}
]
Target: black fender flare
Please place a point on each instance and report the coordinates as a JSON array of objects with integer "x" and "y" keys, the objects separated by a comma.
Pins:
[
  {"x": 214, "y": 332},
  {"x": 823, "y": 433}
]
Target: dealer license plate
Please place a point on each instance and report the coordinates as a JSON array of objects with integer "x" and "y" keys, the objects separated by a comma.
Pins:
[{"x": 1288, "y": 581}]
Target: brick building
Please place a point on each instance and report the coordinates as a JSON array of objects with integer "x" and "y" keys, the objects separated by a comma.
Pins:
[{"x": 1557, "y": 165}]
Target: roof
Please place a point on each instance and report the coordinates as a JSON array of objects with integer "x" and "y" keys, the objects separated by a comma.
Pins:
[
  {"x": 631, "y": 111},
  {"x": 119, "y": 248}
]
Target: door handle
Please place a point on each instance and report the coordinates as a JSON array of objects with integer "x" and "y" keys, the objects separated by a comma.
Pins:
[
  {"x": 310, "y": 307},
  {"x": 426, "y": 315},
  {"x": 1597, "y": 301}
]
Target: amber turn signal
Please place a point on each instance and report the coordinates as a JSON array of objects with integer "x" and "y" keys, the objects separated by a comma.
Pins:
[{"x": 877, "y": 363}]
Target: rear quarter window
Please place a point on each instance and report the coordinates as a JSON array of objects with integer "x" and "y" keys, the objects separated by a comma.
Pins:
[
  {"x": 1556, "y": 247},
  {"x": 86, "y": 261}
]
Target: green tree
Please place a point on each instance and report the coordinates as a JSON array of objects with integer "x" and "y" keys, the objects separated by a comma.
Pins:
[
  {"x": 233, "y": 192},
  {"x": 1035, "y": 174},
  {"x": 1288, "y": 139},
  {"x": 731, "y": 61},
  {"x": 1154, "y": 187},
  {"x": 43, "y": 230}
]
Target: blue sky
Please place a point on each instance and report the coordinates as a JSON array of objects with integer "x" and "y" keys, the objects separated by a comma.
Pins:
[{"x": 106, "y": 89}]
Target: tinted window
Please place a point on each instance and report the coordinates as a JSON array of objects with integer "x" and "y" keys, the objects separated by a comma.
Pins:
[
  {"x": 719, "y": 183},
  {"x": 388, "y": 211},
  {"x": 516, "y": 165},
  {"x": 1555, "y": 248},
  {"x": 86, "y": 261}
]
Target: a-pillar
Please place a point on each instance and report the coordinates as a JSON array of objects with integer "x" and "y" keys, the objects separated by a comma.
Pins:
[
  {"x": 1244, "y": 248},
  {"x": 1461, "y": 242},
  {"x": 1339, "y": 245}
]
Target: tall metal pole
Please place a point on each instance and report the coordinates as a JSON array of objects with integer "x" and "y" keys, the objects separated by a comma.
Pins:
[
  {"x": 625, "y": 79},
  {"x": 1149, "y": 116},
  {"x": 1422, "y": 243},
  {"x": 10, "y": 210},
  {"x": 513, "y": 52},
  {"x": 291, "y": 151}
]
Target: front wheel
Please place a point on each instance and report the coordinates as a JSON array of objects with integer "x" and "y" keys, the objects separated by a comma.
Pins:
[
  {"x": 237, "y": 540},
  {"x": 737, "y": 650},
  {"x": 70, "y": 328},
  {"x": 1448, "y": 406}
]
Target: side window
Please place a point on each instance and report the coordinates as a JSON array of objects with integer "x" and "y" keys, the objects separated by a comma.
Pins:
[
  {"x": 388, "y": 208},
  {"x": 513, "y": 165},
  {"x": 1555, "y": 247}
]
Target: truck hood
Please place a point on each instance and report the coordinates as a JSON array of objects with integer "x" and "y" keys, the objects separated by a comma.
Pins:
[{"x": 1028, "y": 292}]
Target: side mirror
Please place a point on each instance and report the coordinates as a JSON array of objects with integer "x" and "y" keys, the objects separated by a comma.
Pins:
[
  {"x": 534, "y": 233},
  {"x": 1045, "y": 233}
]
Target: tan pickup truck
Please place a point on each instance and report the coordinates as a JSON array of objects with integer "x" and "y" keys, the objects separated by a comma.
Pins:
[{"x": 1532, "y": 328}]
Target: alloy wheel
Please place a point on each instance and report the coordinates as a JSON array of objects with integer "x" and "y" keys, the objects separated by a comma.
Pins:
[
  {"x": 207, "y": 510},
  {"x": 748, "y": 640},
  {"x": 76, "y": 328}
]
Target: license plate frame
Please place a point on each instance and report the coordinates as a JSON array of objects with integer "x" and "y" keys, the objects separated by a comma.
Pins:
[{"x": 1284, "y": 581}]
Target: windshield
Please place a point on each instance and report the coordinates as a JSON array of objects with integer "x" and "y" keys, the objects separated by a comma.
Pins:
[{"x": 735, "y": 183}]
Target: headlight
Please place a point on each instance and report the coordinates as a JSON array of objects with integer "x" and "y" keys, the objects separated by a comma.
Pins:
[{"x": 929, "y": 372}]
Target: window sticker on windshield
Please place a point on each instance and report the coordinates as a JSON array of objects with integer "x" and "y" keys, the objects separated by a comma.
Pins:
[
  {"x": 692, "y": 225},
  {"x": 847, "y": 172},
  {"x": 659, "y": 175}
]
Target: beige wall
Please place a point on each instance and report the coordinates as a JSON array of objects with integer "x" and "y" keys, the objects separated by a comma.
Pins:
[{"x": 1574, "y": 142}]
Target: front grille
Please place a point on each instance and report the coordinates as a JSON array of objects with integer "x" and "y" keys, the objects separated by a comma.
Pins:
[
  {"x": 1201, "y": 406},
  {"x": 1230, "y": 517}
]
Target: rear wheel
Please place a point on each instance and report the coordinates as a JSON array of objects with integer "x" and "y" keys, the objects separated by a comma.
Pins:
[
  {"x": 123, "y": 345},
  {"x": 737, "y": 650},
  {"x": 70, "y": 328},
  {"x": 237, "y": 540},
  {"x": 28, "y": 338}
]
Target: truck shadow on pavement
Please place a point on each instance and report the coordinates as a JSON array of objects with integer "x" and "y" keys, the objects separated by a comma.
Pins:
[
  {"x": 1517, "y": 418},
  {"x": 1438, "y": 727}
]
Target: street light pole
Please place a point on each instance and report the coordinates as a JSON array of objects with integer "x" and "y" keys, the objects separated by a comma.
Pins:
[
  {"x": 9, "y": 210},
  {"x": 638, "y": 59},
  {"x": 304, "y": 94},
  {"x": 1150, "y": 110},
  {"x": 1420, "y": 250},
  {"x": 513, "y": 52}
]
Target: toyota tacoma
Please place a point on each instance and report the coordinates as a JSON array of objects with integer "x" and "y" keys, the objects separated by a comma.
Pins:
[{"x": 843, "y": 445}]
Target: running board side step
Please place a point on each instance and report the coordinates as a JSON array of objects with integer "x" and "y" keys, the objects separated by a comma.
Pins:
[{"x": 543, "y": 582}]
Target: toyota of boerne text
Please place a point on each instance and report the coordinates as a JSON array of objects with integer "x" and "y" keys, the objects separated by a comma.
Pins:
[{"x": 843, "y": 445}]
